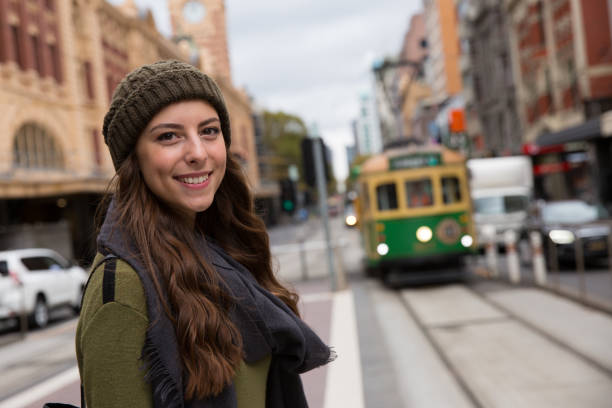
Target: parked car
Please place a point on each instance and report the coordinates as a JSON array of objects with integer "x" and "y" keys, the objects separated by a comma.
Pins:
[
  {"x": 563, "y": 222},
  {"x": 38, "y": 280}
]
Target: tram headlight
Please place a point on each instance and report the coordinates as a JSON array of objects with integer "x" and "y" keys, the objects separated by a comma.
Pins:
[
  {"x": 561, "y": 236},
  {"x": 382, "y": 249},
  {"x": 424, "y": 234},
  {"x": 350, "y": 220},
  {"x": 467, "y": 240}
]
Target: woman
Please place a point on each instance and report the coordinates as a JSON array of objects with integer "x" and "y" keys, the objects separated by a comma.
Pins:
[{"x": 183, "y": 309}]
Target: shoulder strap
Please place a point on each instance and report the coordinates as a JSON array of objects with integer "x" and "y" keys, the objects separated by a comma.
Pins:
[
  {"x": 108, "y": 295},
  {"x": 108, "y": 283}
]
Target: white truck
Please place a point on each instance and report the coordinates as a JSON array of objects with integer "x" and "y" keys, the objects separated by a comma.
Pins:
[{"x": 501, "y": 189}]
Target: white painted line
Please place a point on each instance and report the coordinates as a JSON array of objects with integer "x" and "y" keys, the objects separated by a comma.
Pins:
[
  {"x": 307, "y": 246},
  {"x": 344, "y": 386},
  {"x": 41, "y": 390},
  {"x": 315, "y": 297}
]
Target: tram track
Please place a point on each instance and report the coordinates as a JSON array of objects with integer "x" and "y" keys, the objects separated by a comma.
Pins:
[
  {"x": 542, "y": 332},
  {"x": 507, "y": 318},
  {"x": 440, "y": 353}
]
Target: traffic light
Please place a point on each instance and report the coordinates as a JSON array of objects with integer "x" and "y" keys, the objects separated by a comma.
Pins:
[
  {"x": 288, "y": 196},
  {"x": 308, "y": 161}
]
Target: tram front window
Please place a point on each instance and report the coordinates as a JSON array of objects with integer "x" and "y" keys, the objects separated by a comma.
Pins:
[
  {"x": 419, "y": 193},
  {"x": 451, "y": 193},
  {"x": 386, "y": 197}
]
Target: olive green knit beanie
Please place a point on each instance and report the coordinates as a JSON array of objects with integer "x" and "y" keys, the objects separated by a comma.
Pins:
[{"x": 147, "y": 90}]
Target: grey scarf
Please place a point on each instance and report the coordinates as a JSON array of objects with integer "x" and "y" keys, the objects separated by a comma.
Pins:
[{"x": 266, "y": 324}]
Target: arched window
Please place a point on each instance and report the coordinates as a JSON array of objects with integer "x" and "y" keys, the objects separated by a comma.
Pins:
[{"x": 34, "y": 148}]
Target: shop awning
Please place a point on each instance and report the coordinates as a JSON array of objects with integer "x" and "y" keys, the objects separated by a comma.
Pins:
[{"x": 588, "y": 130}]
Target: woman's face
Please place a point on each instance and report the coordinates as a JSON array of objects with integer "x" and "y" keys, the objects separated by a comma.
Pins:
[{"x": 181, "y": 154}]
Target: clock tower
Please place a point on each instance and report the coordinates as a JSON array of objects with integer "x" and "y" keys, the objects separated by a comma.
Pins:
[{"x": 203, "y": 23}]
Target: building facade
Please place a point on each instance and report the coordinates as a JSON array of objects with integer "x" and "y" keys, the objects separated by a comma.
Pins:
[
  {"x": 442, "y": 67},
  {"x": 489, "y": 86},
  {"x": 411, "y": 80},
  {"x": 562, "y": 60},
  {"x": 59, "y": 64}
]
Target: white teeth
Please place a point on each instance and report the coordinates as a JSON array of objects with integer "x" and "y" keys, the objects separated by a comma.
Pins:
[{"x": 194, "y": 180}]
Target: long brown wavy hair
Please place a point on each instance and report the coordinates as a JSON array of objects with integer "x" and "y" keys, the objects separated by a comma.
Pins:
[{"x": 210, "y": 345}]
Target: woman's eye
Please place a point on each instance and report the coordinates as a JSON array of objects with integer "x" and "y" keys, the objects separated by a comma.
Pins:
[
  {"x": 167, "y": 136},
  {"x": 210, "y": 131}
]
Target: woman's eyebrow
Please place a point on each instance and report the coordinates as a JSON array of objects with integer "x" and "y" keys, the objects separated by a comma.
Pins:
[
  {"x": 207, "y": 121},
  {"x": 177, "y": 126},
  {"x": 166, "y": 125}
]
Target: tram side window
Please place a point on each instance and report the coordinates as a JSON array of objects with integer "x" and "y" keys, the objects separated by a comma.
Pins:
[
  {"x": 386, "y": 197},
  {"x": 365, "y": 193},
  {"x": 419, "y": 193},
  {"x": 451, "y": 190}
]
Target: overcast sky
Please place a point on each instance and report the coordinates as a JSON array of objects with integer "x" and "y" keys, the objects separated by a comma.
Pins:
[{"x": 311, "y": 58}]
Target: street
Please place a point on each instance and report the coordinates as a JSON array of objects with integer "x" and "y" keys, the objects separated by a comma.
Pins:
[{"x": 479, "y": 343}]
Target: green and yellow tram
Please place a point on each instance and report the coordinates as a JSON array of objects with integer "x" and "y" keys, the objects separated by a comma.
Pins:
[{"x": 415, "y": 213}]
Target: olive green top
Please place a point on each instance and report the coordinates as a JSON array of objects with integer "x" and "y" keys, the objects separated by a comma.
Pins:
[{"x": 109, "y": 342}]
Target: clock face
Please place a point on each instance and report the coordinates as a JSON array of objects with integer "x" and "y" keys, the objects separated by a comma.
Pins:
[{"x": 194, "y": 11}]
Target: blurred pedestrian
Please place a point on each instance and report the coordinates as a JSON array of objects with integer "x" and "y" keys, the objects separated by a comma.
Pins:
[{"x": 184, "y": 309}]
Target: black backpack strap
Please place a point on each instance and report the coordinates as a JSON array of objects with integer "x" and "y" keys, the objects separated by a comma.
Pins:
[
  {"x": 108, "y": 295},
  {"x": 110, "y": 271},
  {"x": 108, "y": 280}
]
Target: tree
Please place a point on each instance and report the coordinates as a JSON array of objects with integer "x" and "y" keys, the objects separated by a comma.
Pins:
[{"x": 282, "y": 135}]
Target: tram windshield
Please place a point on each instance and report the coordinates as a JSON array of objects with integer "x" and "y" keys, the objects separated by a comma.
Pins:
[
  {"x": 419, "y": 193},
  {"x": 386, "y": 197}
]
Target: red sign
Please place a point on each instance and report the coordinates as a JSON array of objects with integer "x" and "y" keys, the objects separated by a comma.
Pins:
[
  {"x": 547, "y": 168},
  {"x": 457, "y": 121}
]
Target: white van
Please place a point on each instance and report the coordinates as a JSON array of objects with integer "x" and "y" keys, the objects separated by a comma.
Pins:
[
  {"x": 38, "y": 280},
  {"x": 501, "y": 189}
]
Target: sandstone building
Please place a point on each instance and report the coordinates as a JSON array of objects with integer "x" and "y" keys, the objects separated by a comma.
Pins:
[{"x": 59, "y": 64}]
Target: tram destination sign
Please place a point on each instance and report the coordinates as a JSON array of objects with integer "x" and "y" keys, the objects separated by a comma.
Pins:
[{"x": 413, "y": 161}]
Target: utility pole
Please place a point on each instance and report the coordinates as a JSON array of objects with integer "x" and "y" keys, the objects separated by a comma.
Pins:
[{"x": 322, "y": 189}]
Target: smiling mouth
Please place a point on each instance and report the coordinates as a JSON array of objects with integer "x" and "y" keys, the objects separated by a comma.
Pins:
[{"x": 193, "y": 180}]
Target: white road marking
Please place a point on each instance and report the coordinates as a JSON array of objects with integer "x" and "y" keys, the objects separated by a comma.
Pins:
[
  {"x": 344, "y": 386},
  {"x": 42, "y": 389},
  {"x": 316, "y": 297}
]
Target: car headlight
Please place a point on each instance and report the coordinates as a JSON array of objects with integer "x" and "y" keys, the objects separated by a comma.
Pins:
[
  {"x": 467, "y": 240},
  {"x": 382, "y": 249},
  {"x": 350, "y": 220},
  {"x": 424, "y": 234},
  {"x": 561, "y": 236}
]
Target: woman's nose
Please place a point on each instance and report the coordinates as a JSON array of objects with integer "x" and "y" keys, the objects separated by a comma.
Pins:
[{"x": 196, "y": 150}]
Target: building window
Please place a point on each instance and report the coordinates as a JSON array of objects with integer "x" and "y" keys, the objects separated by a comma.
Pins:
[
  {"x": 88, "y": 79},
  {"x": 55, "y": 62},
  {"x": 17, "y": 47},
  {"x": 34, "y": 148},
  {"x": 36, "y": 55},
  {"x": 3, "y": 48},
  {"x": 96, "y": 147}
]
